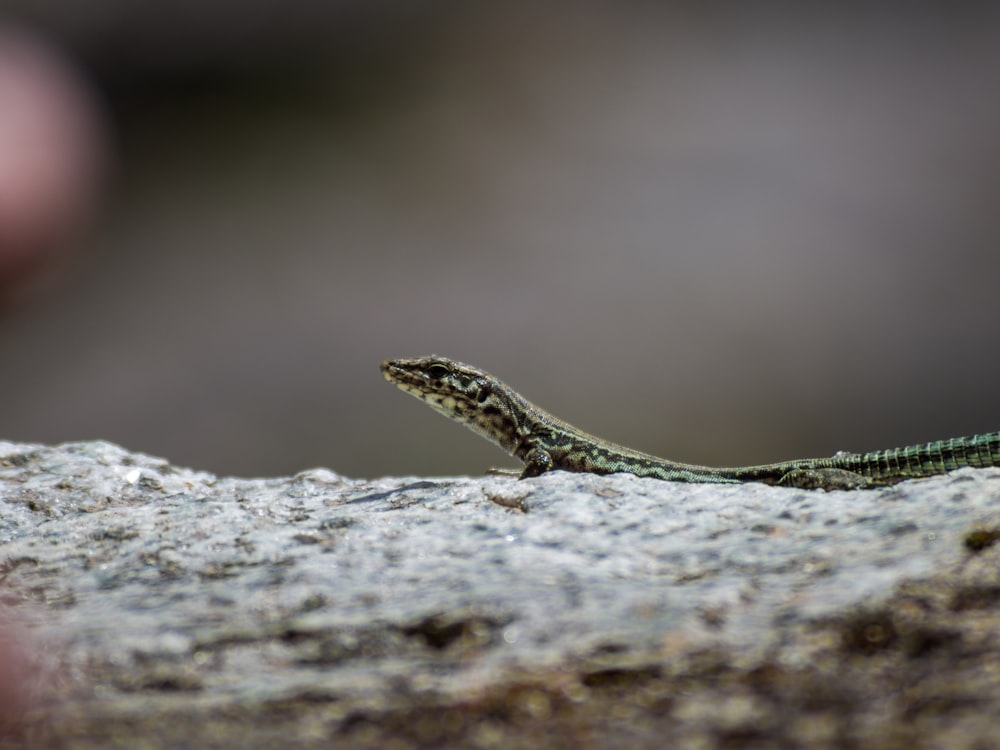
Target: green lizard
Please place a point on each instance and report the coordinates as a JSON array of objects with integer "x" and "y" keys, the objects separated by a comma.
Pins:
[{"x": 543, "y": 442}]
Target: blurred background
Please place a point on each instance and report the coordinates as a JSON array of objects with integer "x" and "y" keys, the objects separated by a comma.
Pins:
[{"x": 741, "y": 233}]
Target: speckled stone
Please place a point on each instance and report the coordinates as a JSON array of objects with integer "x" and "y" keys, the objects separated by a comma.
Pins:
[{"x": 144, "y": 584}]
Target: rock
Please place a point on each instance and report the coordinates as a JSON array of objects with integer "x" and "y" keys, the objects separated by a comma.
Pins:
[{"x": 189, "y": 609}]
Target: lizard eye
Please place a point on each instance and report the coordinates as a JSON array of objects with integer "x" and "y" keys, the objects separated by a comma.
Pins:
[
  {"x": 482, "y": 394},
  {"x": 437, "y": 371}
]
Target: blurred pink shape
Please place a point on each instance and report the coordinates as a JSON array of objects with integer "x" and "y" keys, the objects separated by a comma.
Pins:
[
  {"x": 52, "y": 160},
  {"x": 18, "y": 679}
]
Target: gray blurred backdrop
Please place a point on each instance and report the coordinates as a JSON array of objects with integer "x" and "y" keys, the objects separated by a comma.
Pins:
[{"x": 738, "y": 234}]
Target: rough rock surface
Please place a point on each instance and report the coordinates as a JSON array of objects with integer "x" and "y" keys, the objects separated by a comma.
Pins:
[{"x": 152, "y": 606}]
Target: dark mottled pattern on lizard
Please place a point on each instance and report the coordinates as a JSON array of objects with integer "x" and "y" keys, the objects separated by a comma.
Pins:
[{"x": 543, "y": 442}]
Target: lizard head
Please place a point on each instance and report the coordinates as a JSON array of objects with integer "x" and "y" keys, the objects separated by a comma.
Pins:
[
  {"x": 452, "y": 388},
  {"x": 463, "y": 393}
]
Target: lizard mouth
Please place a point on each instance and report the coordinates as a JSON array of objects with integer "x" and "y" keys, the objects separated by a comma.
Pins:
[
  {"x": 391, "y": 370},
  {"x": 397, "y": 373},
  {"x": 432, "y": 373},
  {"x": 419, "y": 377}
]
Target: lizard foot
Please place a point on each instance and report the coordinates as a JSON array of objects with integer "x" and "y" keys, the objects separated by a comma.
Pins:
[{"x": 824, "y": 479}]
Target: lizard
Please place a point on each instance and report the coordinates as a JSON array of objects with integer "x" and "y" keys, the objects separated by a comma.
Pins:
[{"x": 545, "y": 443}]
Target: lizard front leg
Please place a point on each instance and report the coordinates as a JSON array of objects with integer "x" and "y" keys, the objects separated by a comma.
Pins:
[{"x": 536, "y": 463}]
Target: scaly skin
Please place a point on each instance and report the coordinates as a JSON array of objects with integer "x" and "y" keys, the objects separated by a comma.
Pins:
[{"x": 543, "y": 442}]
